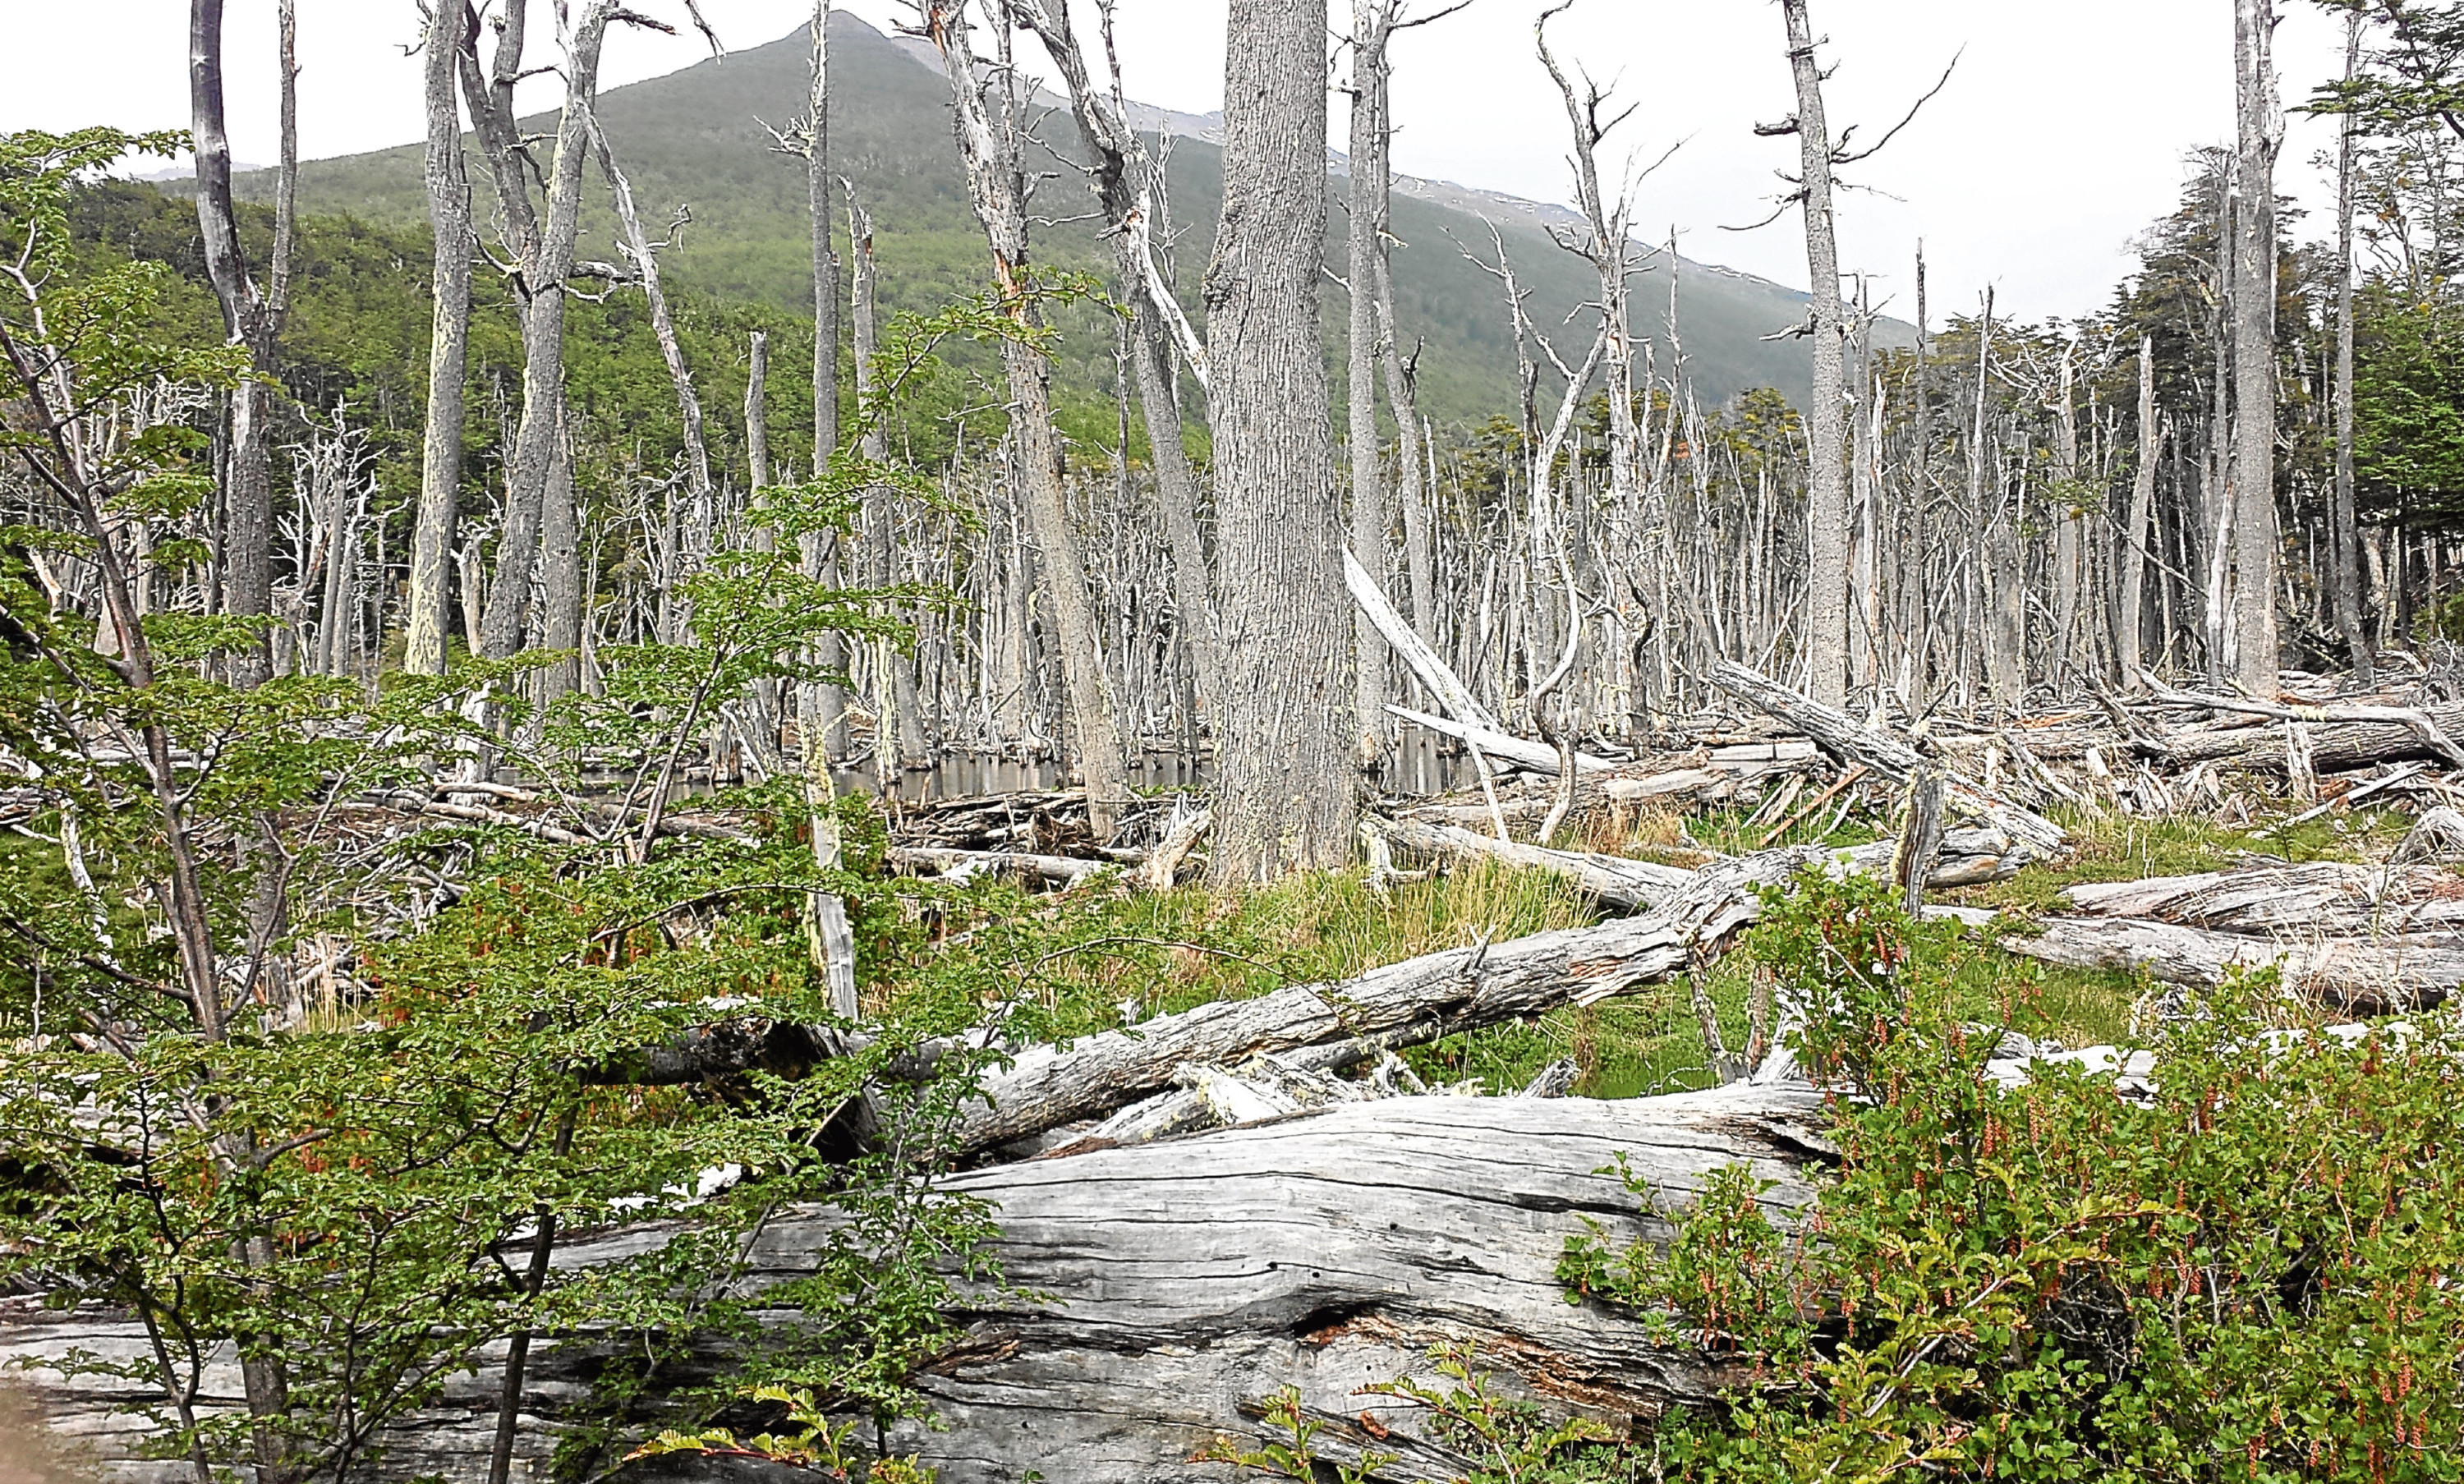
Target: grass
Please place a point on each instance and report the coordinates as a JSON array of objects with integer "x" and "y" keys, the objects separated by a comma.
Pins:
[{"x": 1107, "y": 955}]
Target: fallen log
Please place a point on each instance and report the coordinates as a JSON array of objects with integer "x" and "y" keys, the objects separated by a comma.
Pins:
[
  {"x": 2370, "y": 976},
  {"x": 1521, "y": 751},
  {"x": 1425, "y": 662},
  {"x": 964, "y": 865},
  {"x": 2321, "y": 900},
  {"x": 1843, "y": 739},
  {"x": 1181, "y": 1285},
  {"x": 1967, "y": 858},
  {"x": 2424, "y": 727}
]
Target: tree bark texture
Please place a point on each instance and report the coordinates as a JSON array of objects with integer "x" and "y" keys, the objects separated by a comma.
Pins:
[
  {"x": 542, "y": 277},
  {"x": 990, "y": 146},
  {"x": 2261, "y": 130},
  {"x": 440, "y": 471},
  {"x": 1826, "y": 601},
  {"x": 1365, "y": 208},
  {"x": 1287, "y": 793},
  {"x": 1183, "y": 1283},
  {"x": 2346, "y": 536}
]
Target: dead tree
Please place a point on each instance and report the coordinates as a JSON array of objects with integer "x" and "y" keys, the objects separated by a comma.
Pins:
[
  {"x": 2345, "y": 538},
  {"x": 1287, "y": 792},
  {"x": 451, "y": 27},
  {"x": 992, "y": 148},
  {"x": 251, "y": 318},
  {"x": 2261, "y": 130}
]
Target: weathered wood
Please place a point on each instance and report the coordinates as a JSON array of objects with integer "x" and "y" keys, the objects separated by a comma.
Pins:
[
  {"x": 1538, "y": 756},
  {"x": 2320, "y": 900},
  {"x": 1966, "y": 858},
  {"x": 1425, "y": 662},
  {"x": 1833, "y": 729},
  {"x": 2388, "y": 974},
  {"x": 1185, "y": 1282},
  {"x": 967, "y": 864}
]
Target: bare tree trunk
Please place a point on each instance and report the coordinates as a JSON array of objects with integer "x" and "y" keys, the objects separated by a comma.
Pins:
[
  {"x": 1365, "y": 210},
  {"x": 2070, "y": 522},
  {"x": 990, "y": 147},
  {"x": 1129, "y": 185},
  {"x": 440, "y": 477},
  {"x": 2130, "y": 619},
  {"x": 757, "y": 414},
  {"x": 543, "y": 275},
  {"x": 821, "y": 709},
  {"x": 250, "y": 317},
  {"x": 638, "y": 246},
  {"x": 560, "y": 589},
  {"x": 2345, "y": 543},
  {"x": 1286, "y": 797},
  {"x": 2253, "y": 333},
  {"x": 1826, "y": 601}
]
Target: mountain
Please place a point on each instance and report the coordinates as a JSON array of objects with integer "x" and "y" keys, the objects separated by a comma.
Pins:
[{"x": 694, "y": 140}]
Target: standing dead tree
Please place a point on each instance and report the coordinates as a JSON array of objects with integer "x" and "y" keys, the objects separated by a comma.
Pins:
[
  {"x": 992, "y": 148},
  {"x": 2260, "y": 132}
]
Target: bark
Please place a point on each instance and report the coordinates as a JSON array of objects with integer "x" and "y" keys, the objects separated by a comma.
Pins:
[
  {"x": 440, "y": 478},
  {"x": 1364, "y": 203},
  {"x": 544, "y": 272},
  {"x": 2319, "y": 900},
  {"x": 2130, "y": 621},
  {"x": 990, "y": 146},
  {"x": 251, "y": 318},
  {"x": 903, "y": 726},
  {"x": 2366, "y": 976},
  {"x": 560, "y": 589},
  {"x": 2261, "y": 130},
  {"x": 1129, "y": 190},
  {"x": 1285, "y": 792},
  {"x": 1843, "y": 739},
  {"x": 1176, "y": 1286},
  {"x": 2345, "y": 540},
  {"x": 1826, "y": 603},
  {"x": 821, "y": 708}
]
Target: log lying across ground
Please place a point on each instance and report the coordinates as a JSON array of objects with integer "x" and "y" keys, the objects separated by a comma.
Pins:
[
  {"x": 2370, "y": 976},
  {"x": 2331, "y": 899},
  {"x": 1186, "y": 1282}
]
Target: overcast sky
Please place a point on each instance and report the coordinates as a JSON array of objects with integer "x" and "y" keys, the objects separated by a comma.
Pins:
[{"x": 2060, "y": 136}]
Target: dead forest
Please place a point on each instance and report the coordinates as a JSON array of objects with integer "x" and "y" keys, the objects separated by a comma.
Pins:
[{"x": 1044, "y": 897}]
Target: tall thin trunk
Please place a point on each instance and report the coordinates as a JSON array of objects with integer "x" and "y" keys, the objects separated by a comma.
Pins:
[
  {"x": 990, "y": 147},
  {"x": 2346, "y": 544},
  {"x": 1365, "y": 210},
  {"x": 1129, "y": 186},
  {"x": 1286, "y": 799},
  {"x": 821, "y": 717},
  {"x": 2130, "y": 619},
  {"x": 2070, "y": 521},
  {"x": 251, "y": 318},
  {"x": 560, "y": 589},
  {"x": 440, "y": 472},
  {"x": 2253, "y": 335},
  {"x": 544, "y": 272},
  {"x": 1826, "y": 600},
  {"x": 756, "y": 412}
]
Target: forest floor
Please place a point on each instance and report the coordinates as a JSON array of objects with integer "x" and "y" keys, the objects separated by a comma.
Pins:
[{"x": 1107, "y": 954}]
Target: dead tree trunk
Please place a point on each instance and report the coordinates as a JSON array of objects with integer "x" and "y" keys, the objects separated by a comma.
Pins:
[
  {"x": 2130, "y": 619},
  {"x": 1286, "y": 791},
  {"x": 2261, "y": 130},
  {"x": 452, "y": 28},
  {"x": 251, "y": 318},
  {"x": 991, "y": 146},
  {"x": 2344, "y": 543},
  {"x": 543, "y": 274},
  {"x": 1826, "y": 602},
  {"x": 821, "y": 709},
  {"x": 1365, "y": 211}
]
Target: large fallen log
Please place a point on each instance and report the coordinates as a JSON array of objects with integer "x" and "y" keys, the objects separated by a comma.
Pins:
[
  {"x": 1184, "y": 1284},
  {"x": 1840, "y": 735},
  {"x": 1967, "y": 858},
  {"x": 2324, "y": 899},
  {"x": 2370, "y": 976},
  {"x": 2334, "y": 747}
]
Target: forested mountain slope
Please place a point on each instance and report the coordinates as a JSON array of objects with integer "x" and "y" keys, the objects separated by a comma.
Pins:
[{"x": 695, "y": 140}]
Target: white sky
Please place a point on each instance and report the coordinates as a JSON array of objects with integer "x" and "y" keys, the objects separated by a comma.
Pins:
[{"x": 2058, "y": 138}]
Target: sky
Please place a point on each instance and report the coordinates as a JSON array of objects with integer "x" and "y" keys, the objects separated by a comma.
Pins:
[{"x": 2060, "y": 135}]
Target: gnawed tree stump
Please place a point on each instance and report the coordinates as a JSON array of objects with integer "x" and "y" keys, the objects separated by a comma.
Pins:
[{"x": 1187, "y": 1281}]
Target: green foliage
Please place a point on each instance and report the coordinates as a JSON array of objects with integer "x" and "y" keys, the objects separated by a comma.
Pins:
[
  {"x": 1293, "y": 1456},
  {"x": 819, "y": 1444},
  {"x": 2240, "y": 1265}
]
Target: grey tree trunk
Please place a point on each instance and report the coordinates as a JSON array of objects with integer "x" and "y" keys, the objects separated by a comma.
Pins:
[
  {"x": 1826, "y": 599},
  {"x": 1129, "y": 187},
  {"x": 1286, "y": 799},
  {"x": 543, "y": 274},
  {"x": 1365, "y": 209},
  {"x": 2130, "y": 619},
  {"x": 2261, "y": 130},
  {"x": 990, "y": 146},
  {"x": 2070, "y": 525},
  {"x": 2346, "y": 544},
  {"x": 560, "y": 589},
  {"x": 902, "y": 741},
  {"x": 757, "y": 411},
  {"x": 440, "y": 474},
  {"x": 251, "y": 318},
  {"x": 821, "y": 709}
]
